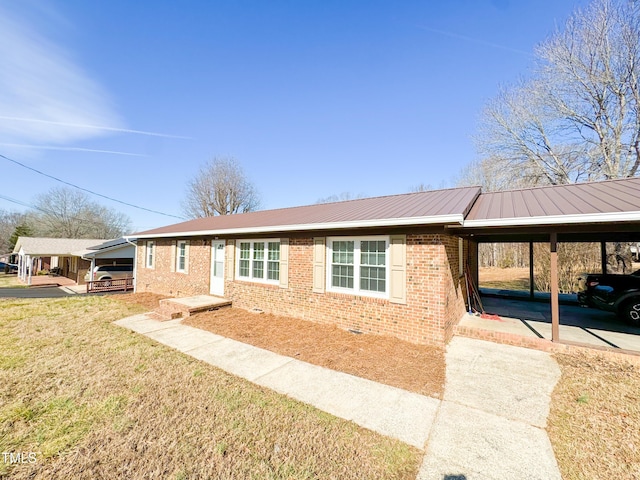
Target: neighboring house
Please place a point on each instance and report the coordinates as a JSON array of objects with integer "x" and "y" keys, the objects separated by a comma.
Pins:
[
  {"x": 390, "y": 265},
  {"x": 112, "y": 252},
  {"x": 37, "y": 254}
]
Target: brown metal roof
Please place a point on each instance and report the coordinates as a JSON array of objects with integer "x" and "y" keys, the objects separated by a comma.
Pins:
[
  {"x": 434, "y": 207},
  {"x": 570, "y": 203}
]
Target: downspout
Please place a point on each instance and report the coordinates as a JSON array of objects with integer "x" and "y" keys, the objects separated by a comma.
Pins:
[{"x": 135, "y": 264}]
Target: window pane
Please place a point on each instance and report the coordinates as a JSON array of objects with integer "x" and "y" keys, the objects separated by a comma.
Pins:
[
  {"x": 274, "y": 251},
  {"x": 372, "y": 252},
  {"x": 150, "y": 254},
  {"x": 273, "y": 271},
  {"x": 372, "y": 276},
  {"x": 182, "y": 254},
  {"x": 258, "y": 260},
  {"x": 244, "y": 268},
  {"x": 343, "y": 252},
  {"x": 342, "y": 276},
  {"x": 245, "y": 253},
  {"x": 273, "y": 264},
  {"x": 342, "y": 264},
  {"x": 372, "y": 279}
]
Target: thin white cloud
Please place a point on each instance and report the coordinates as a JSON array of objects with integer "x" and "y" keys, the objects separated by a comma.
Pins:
[
  {"x": 92, "y": 127},
  {"x": 70, "y": 149},
  {"x": 476, "y": 40},
  {"x": 38, "y": 80}
]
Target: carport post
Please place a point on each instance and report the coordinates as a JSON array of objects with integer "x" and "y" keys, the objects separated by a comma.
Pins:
[
  {"x": 555, "y": 308},
  {"x": 531, "y": 270},
  {"x": 603, "y": 257}
]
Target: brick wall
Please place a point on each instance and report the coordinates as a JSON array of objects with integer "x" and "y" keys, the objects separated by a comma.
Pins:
[
  {"x": 435, "y": 301},
  {"x": 163, "y": 280},
  {"x": 434, "y": 297}
]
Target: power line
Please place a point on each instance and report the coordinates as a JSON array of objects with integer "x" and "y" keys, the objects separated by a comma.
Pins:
[
  {"x": 87, "y": 190},
  {"x": 50, "y": 212}
]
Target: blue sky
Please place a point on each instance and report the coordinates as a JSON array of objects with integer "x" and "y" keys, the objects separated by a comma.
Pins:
[{"x": 313, "y": 98}]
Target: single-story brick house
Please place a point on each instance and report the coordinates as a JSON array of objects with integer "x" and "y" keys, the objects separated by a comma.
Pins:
[
  {"x": 390, "y": 265},
  {"x": 383, "y": 265}
]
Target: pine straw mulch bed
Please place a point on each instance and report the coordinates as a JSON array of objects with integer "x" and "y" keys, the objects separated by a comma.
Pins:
[
  {"x": 417, "y": 368},
  {"x": 594, "y": 420}
]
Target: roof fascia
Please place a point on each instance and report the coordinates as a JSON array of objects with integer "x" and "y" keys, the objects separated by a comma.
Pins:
[
  {"x": 108, "y": 249},
  {"x": 390, "y": 222},
  {"x": 555, "y": 220}
]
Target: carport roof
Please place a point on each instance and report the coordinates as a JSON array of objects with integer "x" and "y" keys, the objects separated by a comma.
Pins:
[{"x": 586, "y": 203}]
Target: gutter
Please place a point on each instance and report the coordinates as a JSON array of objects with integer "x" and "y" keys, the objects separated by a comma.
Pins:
[
  {"x": 555, "y": 220},
  {"x": 391, "y": 222}
]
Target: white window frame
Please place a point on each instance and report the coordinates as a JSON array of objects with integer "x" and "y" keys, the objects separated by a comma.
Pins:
[
  {"x": 151, "y": 249},
  {"x": 180, "y": 243},
  {"x": 265, "y": 260},
  {"x": 356, "y": 266}
]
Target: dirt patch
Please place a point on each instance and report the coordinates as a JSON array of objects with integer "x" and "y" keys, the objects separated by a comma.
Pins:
[
  {"x": 149, "y": 301},
  {"x": 417, "y": 368},
  {"x": 594, "y": 418}
]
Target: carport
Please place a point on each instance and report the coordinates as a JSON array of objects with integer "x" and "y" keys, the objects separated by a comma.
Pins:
[
  {"x": 531, "y": 321},
  {"x": 590, "y": 212}
]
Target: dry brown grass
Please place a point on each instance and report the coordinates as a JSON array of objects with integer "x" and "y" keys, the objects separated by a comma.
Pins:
[
  {"x": 504, "y": 278},
  {"x": 594, "y": 423},
  {"x": 10, "y": 280},
  {"x": 97, "y": 401},
  {"x": 387, "y": 360}
]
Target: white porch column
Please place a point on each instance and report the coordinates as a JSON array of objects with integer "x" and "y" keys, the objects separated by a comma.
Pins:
[{"x": 29, "y": 268}]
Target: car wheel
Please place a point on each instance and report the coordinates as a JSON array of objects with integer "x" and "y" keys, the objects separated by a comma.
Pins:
[
  {"x": 106, "y": 282},
  {"x": 631, "y": 312}
]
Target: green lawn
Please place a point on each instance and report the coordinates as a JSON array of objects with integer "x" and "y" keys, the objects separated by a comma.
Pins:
[{"x": 93, "y": 400}]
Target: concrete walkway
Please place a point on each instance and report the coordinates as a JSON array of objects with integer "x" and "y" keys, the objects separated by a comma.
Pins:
[
  {"x": 490, "y": 424},
  {"x": 388, "y": 410}
]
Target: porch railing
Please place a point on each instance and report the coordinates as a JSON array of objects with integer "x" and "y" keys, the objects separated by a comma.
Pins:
[{"x": 111, "y": 285}]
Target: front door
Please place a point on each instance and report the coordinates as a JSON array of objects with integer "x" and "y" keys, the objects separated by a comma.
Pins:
[{"x": 217, "y": 267}]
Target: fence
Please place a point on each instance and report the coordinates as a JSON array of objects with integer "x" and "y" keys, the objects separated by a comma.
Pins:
[{"x": 120, "y": 284}]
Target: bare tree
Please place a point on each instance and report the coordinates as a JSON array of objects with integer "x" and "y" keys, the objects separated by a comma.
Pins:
[
  {"x": 220, "y": 188},
  {"x": 343, "y": 197},
  {"x": 67, "y": 213},
  {"x": 490, "y": 175},
  {"x": 421, "y": 187},
  {"x": 578, "y": 117}
]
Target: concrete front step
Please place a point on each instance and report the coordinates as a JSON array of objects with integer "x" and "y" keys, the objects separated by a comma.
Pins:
[{"x": 172, "y": 308}]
